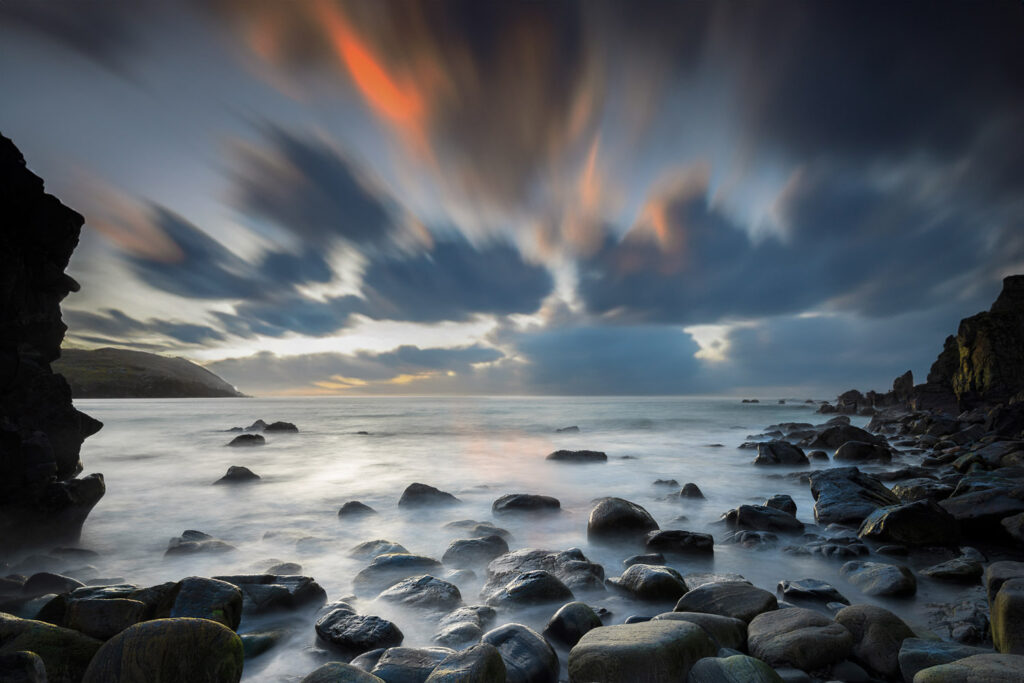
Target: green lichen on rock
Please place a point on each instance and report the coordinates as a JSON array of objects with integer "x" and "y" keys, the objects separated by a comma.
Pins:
[{"x": 66, "y": 653}]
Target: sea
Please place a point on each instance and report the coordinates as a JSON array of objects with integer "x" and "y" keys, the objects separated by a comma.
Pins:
[{"x": 161, "y": 457}]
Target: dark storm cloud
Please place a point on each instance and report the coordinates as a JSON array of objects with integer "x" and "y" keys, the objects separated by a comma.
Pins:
[
  {"x": 306, "y": 187},
  {"x": 115, "y": 324},
  {"x": 267, "y": 372},
  {"x": 850, "y": 243},
  {"x": 307, "y": 267}
]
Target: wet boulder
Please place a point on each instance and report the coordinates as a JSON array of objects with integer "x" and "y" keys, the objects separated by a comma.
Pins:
[
  {"x": 799, "y": 638},
  {"x": 104, "y": 618},
  {"x": 263, "y": 593},
  {"x": 651, "y": 583},
  {"x": 525, "y": 502},
  {"x": 879, "y": 578},
  {"x": 204, "y": 598},
  {"x": 537, "y": 587},
  {"x": 810, "y": 591},
  {"x": 45, "y": 583},
  {"x": 724, "y": 631},
  {"x": 478, "y": 664},
  {"x": 845, "y": 495},
  {"x": 918, "y": 653},
  {"x": 464, "y": 625},
  {"x": 921, "y": 523},
  {"x": 736, "y": 599},
  {"x": 578, "y": 456},
  {"x": 280, "y": 426},
  {"x": 367, "y": 550},
  {"x": 680, "y": 542},
  {"x": 339, "y": 672},
  {"x": 990, "y": 668},
  {"x": 838, "y": 434},
  {"x": 571, "y": 567},
  {"x": 248, "y": 440},
  {"x": 691, "y": 490},
  {"x": 387, "y": 570},
  {"x": 982, "y": 511},
  {"x": 780, "y": 453},
  {"x": 878, "y": 635},
  {"x": 617, "y": 519},
  {"x": 527, "y": 656},
  {"x": 424, "y": 592},
  {"x": 22, "y": 667},
  {"x": 1008, "y": 617},
  {"x": 408, "y": 664},
  {"x": 650, "y": 651},
  {"x": 921, "y": 488},
  {"x": 762, "y": 518},
  {"x": 355, "y": 508},
  {"x": 998, "y": 573},
  {"x": 421, "y": 495},
  {"x": 473, "y": 552},
  {"x": 183, "y": 649},
  {"x": 863, "y": 452},
  {"x": 237, "y": 474},
  {"x": 66, "y": 653},
  {"x": 354, "y": 633},
  {"x": 570, "y": 623},
  {"x": 733, "y": 669},
  {"x": 192, "y": 542},
  {"x": 781, "y": 501},
  {"x": 964, "y": 569}
]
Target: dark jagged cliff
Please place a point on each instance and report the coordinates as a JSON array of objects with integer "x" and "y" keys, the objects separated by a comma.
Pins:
[
  {"x": 119, "y": 373},
  {"x": 41, "y": 433},
  {"x": 982, "y": 366}
]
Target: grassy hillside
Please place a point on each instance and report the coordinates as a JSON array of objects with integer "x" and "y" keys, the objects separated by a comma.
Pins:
[{"x": 118, "y": 373}]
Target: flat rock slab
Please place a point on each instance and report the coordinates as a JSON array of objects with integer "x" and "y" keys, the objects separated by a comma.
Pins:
[
  {"x": 879, "y": 578},
  {"x": 991, "y": 668},
  {"x": 648, "y": 652}
]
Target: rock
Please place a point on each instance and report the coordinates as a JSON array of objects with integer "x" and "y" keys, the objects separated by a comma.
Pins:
[
  {"x": 736, "y": 599},
  {"x": 248, "y": 440},
  {"x": 845, "y": 495},
  {"x": 726, "y": 632},
  {"x": 780, "y": 501},
  {"x": 666, "y": 482},
  {"x": 617, "y": 519},
  {"x": 957, "y": 570},
  {"x": 421, "y": 495},
  {"x": 464, "y": 625},
  {"x": 647, "y": 652},
  {"x": 238, "y": 475},
  {"x": 756, "y": 540},
  {"x": 734, "y": 669},
  {"x": 862, "y": 451},
  {"x": 65, "y": 653},
  {"x": 43, "y": 583},
  {"x": 649, "y": 558},
  {"x": 691, "y": 490},
  {"x": 537, "y": 587},
  {"x": 478, "y": 529},
  {"x": 818, "y": 455},
  {"x": 779, "y": 453},
  {"x": 1008, "y": 618},
  {"x": 525, "y": 502},
  {"x": 999, "y": 573},
  {"x": 527, "y": 656},
  {"x": 798, "y": 637},
  {"x": 652, "y": 583},
  {"x": 571, "y": 567},
  {"x": 838, "y": 434},
  {"x": 387, "y": 570},
  {"x": 264, "y": 593},
  {"x": 371, "y": 549},
  {"x": 810, "y": 590},
  {"x": 192, "y": 542},
  {"x": 369, "y": 659},
  {"x": 679, "y": 542},
  {"x": 281, "y": 427},
  {"x": 211, "y": 599},
  {"x": 762, "y": 518},
  {"x": 424, "y": 592},
  {"x": 478, "y": 664},
  {"x": 917, "y": 653},
  {"x": 878, "y": 635},
  {"x": 338, "y": 672},
  {"x": 409, "y": 665},
  {"x": 256, "y": 643},
  {"x": 196, "y": 650},
  {"x": 921, "y": 489},
  {"x": 354, "y": 508},
  {"x": 563, "y": 430},
  {"x": 104, "y": 618},
  {"x": 22, "y": 667},
  {"x": 578, "y": 456},
  {"x": 40, "y": 429},
  {"x": 921, "y": 523},
  {"x": 354, "y": 633},
  {"x": 876, "y": 578},
  {"x": 987, "y": 668},
  {"x": 472, "y": 552},
  {"x": 982, "y": 511},
  {"x": 570, "y": 623}
]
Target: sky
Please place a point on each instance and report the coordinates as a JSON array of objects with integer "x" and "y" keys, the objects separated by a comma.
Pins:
[{"x": 527, "y": 198}]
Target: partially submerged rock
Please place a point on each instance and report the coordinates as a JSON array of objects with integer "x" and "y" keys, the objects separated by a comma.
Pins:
[
  {"x": 423, "y": 495},
  {"x": 237, "y": 474},
  {"x": 648, "y": 651},
  {"x": 617, "y": 519},
  {"x": 578, "y": 456}
]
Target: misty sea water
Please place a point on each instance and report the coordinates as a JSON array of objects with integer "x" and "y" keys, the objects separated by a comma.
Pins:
[{"x": 161, "y": 457}]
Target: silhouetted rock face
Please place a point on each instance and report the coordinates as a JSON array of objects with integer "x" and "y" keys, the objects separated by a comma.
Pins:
[
  {"x": 41, "y": 433},
  {"x": 991, "y": 350}
]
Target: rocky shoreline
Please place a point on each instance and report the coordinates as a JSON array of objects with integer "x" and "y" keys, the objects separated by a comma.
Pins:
[{"x": 936, "y": 478}]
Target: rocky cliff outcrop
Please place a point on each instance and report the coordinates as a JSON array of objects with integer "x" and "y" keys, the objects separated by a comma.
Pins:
[
  {"x": 41, "y": 433},
  {"x": 120, "y": 373}
]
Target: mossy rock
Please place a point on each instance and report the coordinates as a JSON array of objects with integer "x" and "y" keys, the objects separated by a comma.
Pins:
[
  {"x": 66, "y": 653},
  {"x": 167, "y": 651}
]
